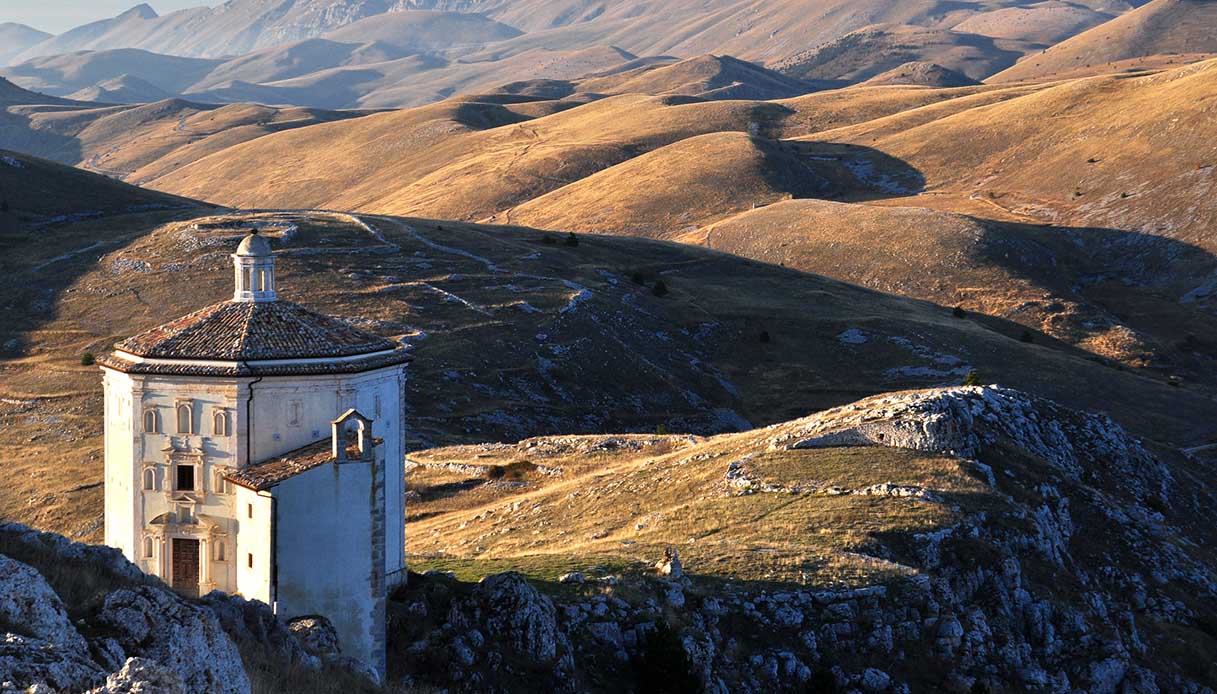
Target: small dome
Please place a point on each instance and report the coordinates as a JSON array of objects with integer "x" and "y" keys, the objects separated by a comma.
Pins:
[{"x": 254, "y": 246}]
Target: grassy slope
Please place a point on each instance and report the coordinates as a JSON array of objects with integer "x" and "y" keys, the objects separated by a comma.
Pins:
[
  {"x": 145, "y": 140},
  {"x": 1159, "y": 28},
  {"x": 513, "y": 337}
]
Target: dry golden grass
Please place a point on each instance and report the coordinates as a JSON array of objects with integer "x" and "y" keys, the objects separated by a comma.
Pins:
[
  {"x": 140, "y": 142},
  {"x": 513, "y": 337},
  {"x": 619, "y": 502},
  {"x": 1155, "y": 30}
]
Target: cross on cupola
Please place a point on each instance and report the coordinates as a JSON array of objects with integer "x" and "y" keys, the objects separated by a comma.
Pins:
[{"x": 255, "y": 268}]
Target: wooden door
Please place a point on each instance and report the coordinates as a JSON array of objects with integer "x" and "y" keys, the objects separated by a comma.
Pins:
[{"x": 186, "y": 566}]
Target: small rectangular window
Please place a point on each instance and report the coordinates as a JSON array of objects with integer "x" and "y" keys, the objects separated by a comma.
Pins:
[
  {"x": 249, "y": 508},
  {"x": 185, "y": 478},
  {"x": 249, "y": 559},
  {"x": 295, "y": 410}
]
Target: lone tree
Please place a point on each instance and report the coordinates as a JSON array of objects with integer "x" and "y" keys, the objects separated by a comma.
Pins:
[
  {"x": 87, "y": 359},
  {"x": 972, "y": 378},
  {"x": 958, "y": 312},
  {"x": 660, "y": 288},
  {"x": 571, "y": 239},
  {"x": 1027, "y": 336}
]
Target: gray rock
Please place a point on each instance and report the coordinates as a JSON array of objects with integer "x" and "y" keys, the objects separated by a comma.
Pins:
[
  {"x": 317, "y": 635},
  {"x": 670, "y": 564},
  {"x": 28, "y": 603},
  {"x": 874, "y": 680},
  {"x": 26, "y": 662},
  {"x": 153, "y": 623},
  {"x": 142, "y": 676},
  {"x": 572, "y": 578},
  {"x": 510, "y": 611}
]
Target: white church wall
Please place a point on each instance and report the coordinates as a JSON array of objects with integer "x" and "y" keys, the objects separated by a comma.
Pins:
[
  {"x": 331, "y": 523},
  {"x": 253, "y": 556},
  {"x": 381, "y": 394},
  {"x": 289, "y": 413},
  {"x": 120, "y": 467}
]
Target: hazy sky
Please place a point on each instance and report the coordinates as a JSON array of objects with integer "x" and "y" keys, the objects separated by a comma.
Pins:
[{"x": 56, "y": 16}]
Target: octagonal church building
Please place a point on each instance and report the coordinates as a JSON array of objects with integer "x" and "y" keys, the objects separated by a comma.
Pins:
[{"x": 257, "y": 447}]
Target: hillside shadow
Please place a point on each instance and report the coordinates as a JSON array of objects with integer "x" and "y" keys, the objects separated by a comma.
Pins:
[
  {"x": 855, "y": 173},
  {"x": 17, "y": 133},
  {"x": 1164, "y": 290}
]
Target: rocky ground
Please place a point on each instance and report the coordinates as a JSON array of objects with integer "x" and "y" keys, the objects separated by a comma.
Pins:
[{"x": 1075, "y": 561}]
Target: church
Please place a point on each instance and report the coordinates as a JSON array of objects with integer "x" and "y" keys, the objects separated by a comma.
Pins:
[{"x": 257, "y": 447}]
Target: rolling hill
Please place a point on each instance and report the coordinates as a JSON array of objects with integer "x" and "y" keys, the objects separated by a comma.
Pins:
[
  {"x": 626, "y": 164},
  {"x": 873, "y": 50},
  {"x": 36, "y": 193},
  {"x": 124, "y": 89},
  {"x": 1151, "y": 35},
  {"x": 64, "y": 73},
  {"x": 143, "y": 141},
  {"x": 923, "y": 74},
  {"x": 513, "y": 336}
]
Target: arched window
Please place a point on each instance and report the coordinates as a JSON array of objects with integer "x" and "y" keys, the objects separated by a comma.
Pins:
[
  {"x": 218, "y": 482},
  {"x": 149, "y": 479},
  {"x": 150, "y": 421},
  {"x": 149, "y": 547},
  {"x": 220, "y": 550},
  {"x": 183, "y": 419},
  {"x": 220, "y": 423}
]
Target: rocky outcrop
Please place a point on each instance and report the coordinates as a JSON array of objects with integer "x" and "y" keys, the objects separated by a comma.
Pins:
[
  {"x": 142, "y": 676},
  {"x": 1071, "y": 563},
  {"x": 967, "y": 420},
  {"x": 317, "y": 635},
  {"x": 125, "y": 632},
  {"x": 28, "y": 602},
  {"x": 509, "y": 610},
  {"x": 27, "y": 662},
  {"x": 187, "y": 639}
]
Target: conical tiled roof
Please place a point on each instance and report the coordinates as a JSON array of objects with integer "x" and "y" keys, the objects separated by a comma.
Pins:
[{"x": 248, "y": 330}]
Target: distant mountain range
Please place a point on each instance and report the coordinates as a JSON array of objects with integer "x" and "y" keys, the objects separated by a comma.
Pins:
[{"x": 397, "y": 53}]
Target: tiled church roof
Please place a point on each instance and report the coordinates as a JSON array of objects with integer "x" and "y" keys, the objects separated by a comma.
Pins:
[
  {"x": 248, "y": 330},
  {"x": 271, "y": 472}
]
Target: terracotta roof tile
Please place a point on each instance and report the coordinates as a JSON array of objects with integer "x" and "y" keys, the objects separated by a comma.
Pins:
[
  {"x": 271, "y": 472},
  {"x": 246, "y": 330}
]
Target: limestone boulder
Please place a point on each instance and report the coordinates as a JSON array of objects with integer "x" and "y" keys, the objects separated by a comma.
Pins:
[
  {"x": 187, "y": 639},
  {"x": 28, "y": 603},
  {"x": 252, "y": 624},
  {"x": 142, "y": 676},
  {"x": 316, "y": 635},
  {"x": 509, "y": 610},
  {"x": 32, "y": 663}
]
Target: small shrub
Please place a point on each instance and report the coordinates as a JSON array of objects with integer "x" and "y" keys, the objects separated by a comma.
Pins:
[
  {"x": 663, "y": 666},
  {"x": 87, "y": 359},
  {"x": 638, "y": 278},
  {"x": 660, "y": 288},
  {"x": 549, "y": 240},
  {"x": 495, "y": 472},
  {"x": 661, "y": 429},
  {"x": 765, "y": 338},
  {"x": 571, "y": 239},
  {"x": 958, "y": 312},
  {"x": 972, "y": 378},
  {"x": 1027, "y": 336}
]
